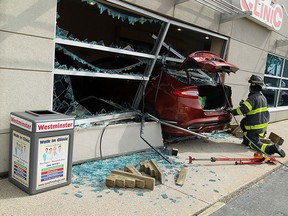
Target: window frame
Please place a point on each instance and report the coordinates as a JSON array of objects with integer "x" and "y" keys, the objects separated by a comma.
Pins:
[
  {"x": 159, "y": 43},
  {"x": 279, "y": 88}
]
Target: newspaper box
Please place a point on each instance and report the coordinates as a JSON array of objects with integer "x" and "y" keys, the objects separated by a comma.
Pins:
[{"x": 40, "y": 151}]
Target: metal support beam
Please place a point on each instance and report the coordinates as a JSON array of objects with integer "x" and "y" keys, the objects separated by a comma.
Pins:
[
  {"x": 227, "y": 10},
  {"x": 170, "y": 49},
  {"x": 174, "y": 126},
  {"x": 226, "y": 18},
  {"x": 280, "y": 43}
]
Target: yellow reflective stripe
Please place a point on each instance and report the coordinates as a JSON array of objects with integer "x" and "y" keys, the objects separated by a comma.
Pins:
[
  {"x": 248, "y": 105},
  {"x": 262, "y": 134},
  {"x": 239, "y": 112},
  {"x": 255, "y": 127},
  {"x": 263, "y": 147},
  {"x": 251, "y": 146},
  {"x": 259, "y": 110}
]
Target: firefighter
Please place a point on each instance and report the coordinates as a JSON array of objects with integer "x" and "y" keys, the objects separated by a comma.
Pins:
[{"x": 256, "y": 118}]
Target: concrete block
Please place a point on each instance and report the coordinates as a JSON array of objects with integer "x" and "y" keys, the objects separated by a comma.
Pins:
[
  {"x": 249, "y": 32},
  {"x": 116, "y": 139},
  {"x": 4, "y": 153},
  {"x": 31, "y": 17},
  {"x": 276, "y": 139},
  {"x": 20, "y": 90},
  {"x": 248, "y": 58},
  {"x": 25, "y": 52},
  {"x": 159, "y": 6}
]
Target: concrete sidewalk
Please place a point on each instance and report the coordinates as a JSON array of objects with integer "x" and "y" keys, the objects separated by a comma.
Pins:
[{"x": 207, "y": 185}]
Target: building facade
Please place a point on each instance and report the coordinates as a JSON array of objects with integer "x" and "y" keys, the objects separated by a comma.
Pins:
[{"x": 49, "y": 50}]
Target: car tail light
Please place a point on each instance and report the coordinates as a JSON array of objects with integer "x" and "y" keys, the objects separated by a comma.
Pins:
[{"x": 188, "y": 93}]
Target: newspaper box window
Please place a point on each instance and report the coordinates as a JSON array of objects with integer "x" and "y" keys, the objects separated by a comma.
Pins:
[{"x": 40, "y": 156}]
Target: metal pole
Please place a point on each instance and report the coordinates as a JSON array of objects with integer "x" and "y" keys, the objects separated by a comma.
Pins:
[{"x": 171, "y": 125}]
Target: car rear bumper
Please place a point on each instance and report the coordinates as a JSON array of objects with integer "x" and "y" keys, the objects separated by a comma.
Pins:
[{"x": 197, "y": 127}]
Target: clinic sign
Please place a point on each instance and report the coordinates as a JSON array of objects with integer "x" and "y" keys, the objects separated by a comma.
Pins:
[{"x": 265, "y": 12}]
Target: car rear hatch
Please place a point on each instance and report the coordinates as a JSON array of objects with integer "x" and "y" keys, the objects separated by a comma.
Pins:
[
  {"x": 208, "y": 61},
  {"x": 212, "y": 96}
]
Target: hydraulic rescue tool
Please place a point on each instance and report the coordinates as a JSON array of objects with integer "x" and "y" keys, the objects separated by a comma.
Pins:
[{"x": 259, "y": 158}]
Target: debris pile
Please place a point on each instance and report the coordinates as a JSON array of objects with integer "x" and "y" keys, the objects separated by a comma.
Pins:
[{"x": 133, "y": 178}]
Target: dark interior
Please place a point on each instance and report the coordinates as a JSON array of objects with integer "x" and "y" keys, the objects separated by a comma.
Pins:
[
  {"x": 214, "y": 95},
  {"x": 97, "y": 94}
]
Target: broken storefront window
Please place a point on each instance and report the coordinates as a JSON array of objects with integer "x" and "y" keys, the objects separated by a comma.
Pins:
[
  {"x": 94, "y": 38},
  {"x": 104, "y": 55}
]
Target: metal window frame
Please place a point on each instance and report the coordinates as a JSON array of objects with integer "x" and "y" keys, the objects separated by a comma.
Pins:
[
  {"x": 227, "y": 10},
  {"x": 279, "y": 88}
]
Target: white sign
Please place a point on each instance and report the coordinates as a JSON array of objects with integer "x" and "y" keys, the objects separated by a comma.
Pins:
[
  {"x": 20, "y": 157},
  {"x": 22, "y": 123},
  {"x": 54, "y": 126},
  {"x": 52, "y": 161},
  {"x": 265, "y": 12}
]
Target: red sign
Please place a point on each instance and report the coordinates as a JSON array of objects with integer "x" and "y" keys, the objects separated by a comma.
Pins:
[
  {"x": 54, "y": 126},
  {"x": 264, "y": 12}
]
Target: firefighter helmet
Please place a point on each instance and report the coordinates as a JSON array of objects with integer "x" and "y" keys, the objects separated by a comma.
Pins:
[{"x": 256, "y": 80}]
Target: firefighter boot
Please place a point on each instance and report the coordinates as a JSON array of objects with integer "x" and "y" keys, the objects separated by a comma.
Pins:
[{"x": 275, "y": 148}]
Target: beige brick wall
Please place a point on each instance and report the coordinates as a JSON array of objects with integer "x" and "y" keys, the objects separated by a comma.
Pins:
[
  {"x": 26, "y": 40},
  {"x": 26, "y": 61}
]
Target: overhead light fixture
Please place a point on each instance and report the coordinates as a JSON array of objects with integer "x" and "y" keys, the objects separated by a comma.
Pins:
[
  {"x": 207, "y": 38},
  {"x": 92, "y": 2},
  {"x": 179, "y": 29}
]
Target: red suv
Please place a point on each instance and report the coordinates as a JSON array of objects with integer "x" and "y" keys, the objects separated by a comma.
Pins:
[{"x": 190, "y": 95}]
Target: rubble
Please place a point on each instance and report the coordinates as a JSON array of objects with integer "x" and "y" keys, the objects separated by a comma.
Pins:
[{"x": 151, "y": 168}]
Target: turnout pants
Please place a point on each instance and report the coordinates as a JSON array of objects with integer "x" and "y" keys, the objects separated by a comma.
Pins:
[{"x": 251, "y": 138}]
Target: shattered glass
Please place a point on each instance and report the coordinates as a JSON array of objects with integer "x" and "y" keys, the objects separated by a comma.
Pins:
[
  {"x": 192, "y": 77},
  {"x": 93, "y": 68},
  {"x": 125, "y": 17},
  {"x": 63, "y": 98},
  {"x": 64, "y": 102},
  {"x": 84, "y": 98},
  {"x": 94, "y": 173},
  {"x": 120, "y": 16},
  {"x": 64, "y": 34}
]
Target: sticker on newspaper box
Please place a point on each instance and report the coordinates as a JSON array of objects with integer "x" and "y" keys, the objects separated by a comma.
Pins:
[
  {"x": 20, "y": 157},
  {"x": 52, "y": 161}
]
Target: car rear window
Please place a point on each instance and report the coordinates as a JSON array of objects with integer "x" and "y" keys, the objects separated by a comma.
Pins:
[{"x": 192, "y": 77}]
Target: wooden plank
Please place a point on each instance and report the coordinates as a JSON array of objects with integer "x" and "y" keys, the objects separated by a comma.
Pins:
[
  {"x": 110, "y": 181},
  {"x": 132, "y": 169},
  {"x": 182, "y": 177},
  {"x": 144, "y": 166},
  {"x": 120, "y": 182},
  {"x": 130, "y": 183},
  {"x": 139, "y": 183},
  {"x": 149, "y": 182},
  {"x": 159, "y": 174},
  {"x": 123, "y": 181},
  {"x": 151, "y": 168}
]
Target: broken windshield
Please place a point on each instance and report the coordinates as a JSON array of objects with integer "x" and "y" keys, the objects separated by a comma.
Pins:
[{"x": 192, "y": 77}]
